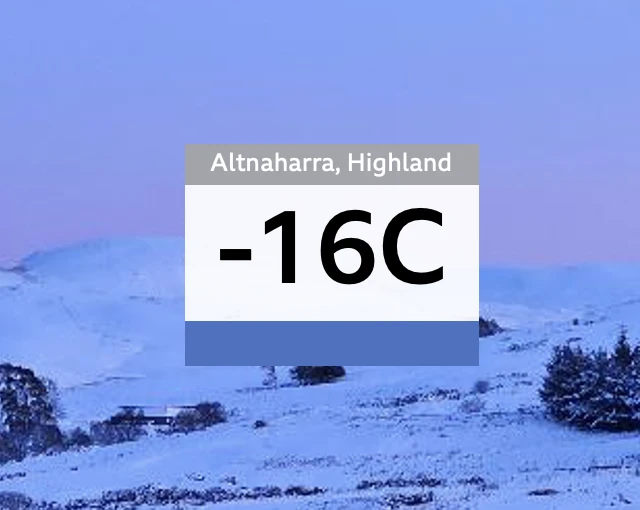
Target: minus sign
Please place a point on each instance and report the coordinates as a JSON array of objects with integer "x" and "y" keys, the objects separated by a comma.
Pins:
[{"x": 235, "y": 254}]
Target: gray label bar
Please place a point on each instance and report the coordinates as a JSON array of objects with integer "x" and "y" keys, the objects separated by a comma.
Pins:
[{"x": 234, "y": 164}]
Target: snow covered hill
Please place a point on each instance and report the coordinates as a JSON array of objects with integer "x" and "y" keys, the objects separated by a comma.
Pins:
[
  {"x": 105, "y": 320},
  {"x": 99, "y": 310}
]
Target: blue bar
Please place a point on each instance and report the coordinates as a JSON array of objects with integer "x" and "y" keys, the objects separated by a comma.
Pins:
[{"x": 248, "y": 343}]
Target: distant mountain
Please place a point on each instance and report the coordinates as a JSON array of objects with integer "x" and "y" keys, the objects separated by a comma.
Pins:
[{"x": 115, "y": 307}]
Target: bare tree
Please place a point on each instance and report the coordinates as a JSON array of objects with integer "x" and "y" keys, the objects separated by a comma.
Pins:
[{"x": 270, "y": 377}]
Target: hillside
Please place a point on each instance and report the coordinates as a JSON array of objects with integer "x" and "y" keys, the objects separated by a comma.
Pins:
[{"x": 105, "y": 320}]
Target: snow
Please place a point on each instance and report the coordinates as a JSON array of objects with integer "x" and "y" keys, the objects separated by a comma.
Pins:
[
  {"x": 105, "y": 320},
  {"x": 9, "y": 279}
]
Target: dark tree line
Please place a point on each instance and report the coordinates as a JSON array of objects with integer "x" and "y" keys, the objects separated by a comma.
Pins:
[
  {"x": 489, "y": 327},
  {"x": 594, "y": 389},
  {"x": 29, "y": 412}
]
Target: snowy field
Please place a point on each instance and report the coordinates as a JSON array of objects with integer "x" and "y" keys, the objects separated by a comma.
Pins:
[{"x": 105, "y": 320}]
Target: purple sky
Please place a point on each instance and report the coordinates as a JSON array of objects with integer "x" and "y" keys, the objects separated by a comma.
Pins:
[{"x": 97, "y": 100}]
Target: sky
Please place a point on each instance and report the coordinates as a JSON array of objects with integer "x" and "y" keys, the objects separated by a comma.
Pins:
[{"x": 98, "y": 99}]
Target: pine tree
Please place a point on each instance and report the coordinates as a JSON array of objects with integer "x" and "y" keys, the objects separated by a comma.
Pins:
[
  {"x": 618, "y": 398},
  {"x": 563, "y": 388},
  {"x": 595, "y": 390}
]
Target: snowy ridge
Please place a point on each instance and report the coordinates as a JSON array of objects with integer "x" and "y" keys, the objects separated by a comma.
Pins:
[
  {"x": 139, "y": 266},
  {"x": 9, "y": 279},
  {"x": 101, "y": 309},
  {"x": 585, "y": 286},
  {"x": 105, "y": 319}
]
